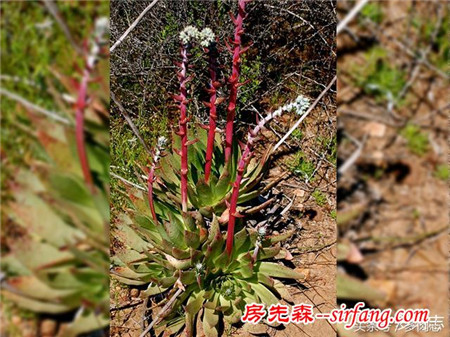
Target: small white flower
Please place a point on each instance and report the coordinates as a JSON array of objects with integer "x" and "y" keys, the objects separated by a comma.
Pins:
[
  {"x": 99, "y": 39},
  {"x": 189, "y": 34},
  {"x": 162, "y": 142},
  {"x": 101, "y": 27},
  {"x": 299, "y": 106},
  {"x": 199, "y": 266},
  {"x": 44, "y": 24},
  {"x": 262, "y": 231},
  {"x": 207, "y": 37},
  {"x": 302, "y": 104}
]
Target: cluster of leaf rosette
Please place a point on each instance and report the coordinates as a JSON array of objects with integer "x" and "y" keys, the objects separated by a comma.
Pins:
[
  {"x": 59, "y": 259},
  {"x": 58, "y": 252},
  {"x": 187, "y": 249}
]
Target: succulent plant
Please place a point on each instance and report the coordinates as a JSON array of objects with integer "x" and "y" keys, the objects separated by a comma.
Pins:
[
  {"x": 172, "y": 239},
  {"x": 58, "y": 258},
  {"x": 187, "y": 251}
]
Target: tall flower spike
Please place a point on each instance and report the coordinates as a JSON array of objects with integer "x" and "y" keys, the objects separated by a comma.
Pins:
[
  {"x": 101, "y": 28},
  {"x": 233, "y": 81},
  {"x": 188, "y": 35},
  {"x": 161, "y": 144},
  {"x": 298, "y": 105},
  {"x": 207, "y": 40}
]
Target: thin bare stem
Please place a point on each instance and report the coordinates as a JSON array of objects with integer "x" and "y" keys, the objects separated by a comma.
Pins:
[
  {"x": 127, "y": 181},
  {"x": 133, "y": 25},
  {"x": 128, "y": 119},
  {"x": 163, "y": 310},
  {"x": 52, "y": 114},
  {"x": 53, "y": 10},
  {"x": 353, "y": 12}
]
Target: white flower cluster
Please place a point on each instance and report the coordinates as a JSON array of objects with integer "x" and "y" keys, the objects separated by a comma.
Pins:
[
  {"x": 262, "y": 231},
  {"x": 160, "y": 145},
  {"x": 207, "y": 37},
  {"x": 299, "y": 106},
  {"x": 190, "y": 33},
  {"x": 162, "y": 142},
  {"x": 99, "y": 39},
  {"x": 199, "y": 266},
  {"x": 101, "y": 28}
]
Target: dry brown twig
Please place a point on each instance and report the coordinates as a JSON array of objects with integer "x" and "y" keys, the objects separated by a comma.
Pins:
[
  {"x": 350, "y": 16},
  {"x": 163, "y": 310},
  {"x": 133, "y": 25},
  {"x": 27, "y": 104},
  {"x": 130, "y": 123},
  {"x": 53, "y": 10}
]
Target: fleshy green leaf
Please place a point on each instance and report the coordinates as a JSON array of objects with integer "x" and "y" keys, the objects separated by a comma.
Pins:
[{"x": 278, "y": 270}]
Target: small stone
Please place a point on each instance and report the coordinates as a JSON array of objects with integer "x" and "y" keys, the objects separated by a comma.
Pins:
[
  {"x": 299, "y": 193},
  {"x": 354, "y": 255},
  {"x": 48, "y": 328},
  {"x": 134, "y": 293},
  {"x": 375, "y": 129},
  {"x": 16, "y": 320}
]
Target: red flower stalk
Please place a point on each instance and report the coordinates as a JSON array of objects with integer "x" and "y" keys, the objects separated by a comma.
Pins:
[
  {"x": 235, "y": 194},
  {"x": 79, "y": 128},
  {"x": 150, "y": 181},
  {"x": 246, "y": 155},
  {"x": 213, "y": 85},
  {"x": 183, "y": 132},
  {"x": 101, "y": 26},
  {"x": 234, "y": 79}
]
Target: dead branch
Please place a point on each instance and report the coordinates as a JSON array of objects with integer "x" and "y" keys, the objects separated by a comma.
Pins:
[
  {"x": 354, "y": 11},
  {"x": 134, "y": 24},
  {"x": 163, "y": 310},
  {"x": 52, "y": 114},
  {"x": 53, "y": 10},
  {"x": 130, "y": 123}
]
